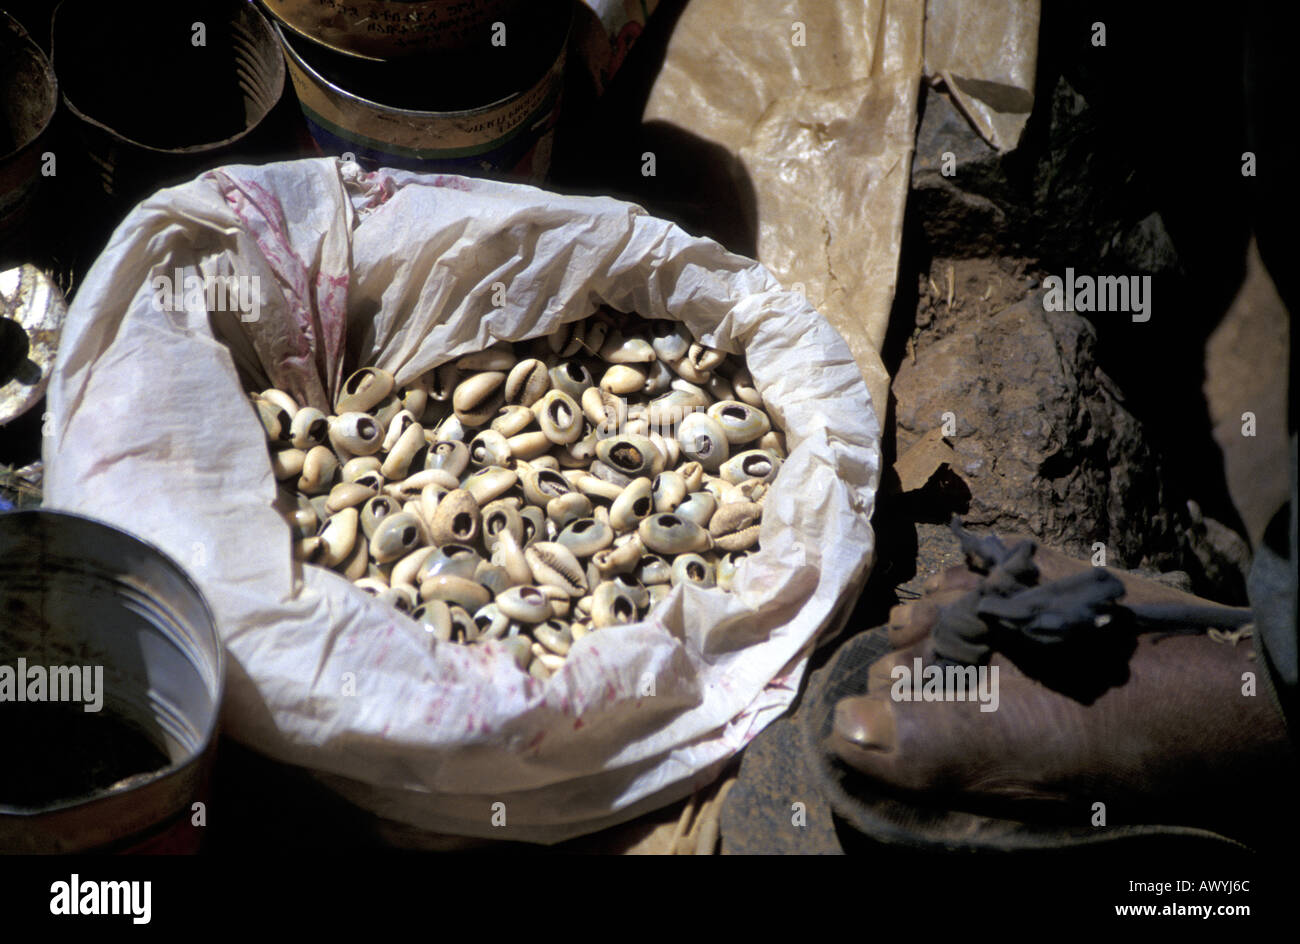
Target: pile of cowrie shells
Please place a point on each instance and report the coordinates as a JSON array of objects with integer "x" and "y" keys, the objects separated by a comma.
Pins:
[{"x": 537, "y": 492}]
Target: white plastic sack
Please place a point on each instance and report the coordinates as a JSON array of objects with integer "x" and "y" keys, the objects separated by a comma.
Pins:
[{"x": 151, "y": 431}]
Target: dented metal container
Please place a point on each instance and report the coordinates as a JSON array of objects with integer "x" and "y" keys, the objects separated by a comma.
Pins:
[
  {"x": 166, "y": 90},
  {"x": 29, "y": 97},
  {"x": 111, "y": 675},
  {"x": 490, "y": 111},
  {"x": 384, "y": 29}
]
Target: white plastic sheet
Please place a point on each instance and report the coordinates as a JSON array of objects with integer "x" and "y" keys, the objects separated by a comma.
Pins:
[{"x": 151, "y": 431}]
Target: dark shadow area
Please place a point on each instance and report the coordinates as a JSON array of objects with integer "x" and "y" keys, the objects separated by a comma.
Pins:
[{"x": 604, "y": 148}]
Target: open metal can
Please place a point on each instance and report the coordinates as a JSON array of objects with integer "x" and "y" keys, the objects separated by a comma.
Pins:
[
  {"x": 489, "y": 112},
  {"x": 28, "y": 99},
  {"x": 385, "y": 29},
  {"x": 111, "y": 675}
]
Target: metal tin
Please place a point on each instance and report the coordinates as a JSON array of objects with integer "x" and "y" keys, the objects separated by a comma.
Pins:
[
  {"x": 29, "y": 96},
  {"x": 384, "y": 29},
  {"x": 486, "y": 125},
  {"x": 77, "y": 593},
  {"x": 167, "y": 91}
]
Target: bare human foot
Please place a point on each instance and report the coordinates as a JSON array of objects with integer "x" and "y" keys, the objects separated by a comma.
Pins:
[{"x": 1185, "y": 734}]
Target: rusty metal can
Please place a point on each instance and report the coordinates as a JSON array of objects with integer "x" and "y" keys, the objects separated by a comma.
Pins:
[
  {"x": 111, "y": 676},
  {"x": 485, "y": 112},
  {"x": 28, "y": 99},
  {"x": 385, "y": 29},
  {"x": 168, "y": 91}
]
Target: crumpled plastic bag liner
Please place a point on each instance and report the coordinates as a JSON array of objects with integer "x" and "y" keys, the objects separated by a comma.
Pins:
[{"x": 152, "y": 432}]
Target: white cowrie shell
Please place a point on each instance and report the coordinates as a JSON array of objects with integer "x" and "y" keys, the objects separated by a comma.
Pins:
[
  {"x": 599, "y": 488},
  {"x": 435, "y": 617},
  {"x": 541, "y": 485},
  {"x": 407, "y": 570},
  {"x": 728, "y": 564},
  {"x": 358, "y": 466},
  {"x": 735, "y": 525},
  {"x": 318, "y": 468},
  {"x": 568, "y": 507},
  {"x": 478, "y": 397},
  {"x": 455, "y": 591},
  {"x": 559, "y": 417},
  {"x": 500, "y": 516},
  {"x": 534, "y": 522},
  {"x": 693, "y": 474},
  {"x": 703, "y": 440},
  {"x": 520, "y": 650},
  {"x": 456, "y": 519},
  {"x": 566, "y": 340},
  {"x": 525, "y": 603},
  {"x": 282, "y": 400},
  {"x": 773, "y": 442},
  {"x": 396, "y": 536},
  {"x": 414, "y": 397},
  {"x": 527, "y": 382},
  {"x": 404, "y": 452},
  {"x": 668, "y": 490},
  {"x": 370, "y": 585},
  {"x": 720, "y": 388},
  {"x": 374, "y": 511},
  {"x": 692, "y": 568},
  {"x": 275, "y": 421},
  {"x": 356, "y": 434},
  {"x": 658, "y": 378},
  {"x": 632, "y": 506},
  {"x": 493, "y": 577},
  {"x": 492, "y": 622},
  {"x": 449, "y": 430},
  {"x": 454, "y": 560},
  {"x": 668, "y": 534},
  {"x": 623, "y": 379},
  {"x": 363, "y": 390},
  {"x": 287, "y": 463},
  {"x": 508, "y": 555},
  {"x": 752, "y": 464},
  {"x": 555, "y": 636},
  {"x": 490, "y": 483},
  {"x": 400, "y": 422},
  {"x": 626, "y": 350},
  {"x": 630, "y": 455},
  {"x": 704, "y": 359},
  {"x": 545, "y": 661},
  {"x": 441, "y": 382},
  {"x": 606, "y": 411},
  {"x": 572, "y": 378},
  {"x": 670, "y": 340},
  {"x": 347, "y": 495},
  {"x": 309, "y": 427},
  {"x": 498, "y": 357},
  {"x": 512, "y": 420},
  {"x": 488, "y": 448},
  {"x": 339, "y": 535},
  {"x": 746, "y": 392},
  {"x": 463, "y": 627},
  {"x": 741, "y": 422},
  {"x": 585, "y": 536},
  {"x": 612, "y": 605},
  {"x": 356, "y": 564},
  {"x": 652, "y": 569},
  {"x": 413, "y": 486},
  {"x": 555, "y": 564},
  {"x": 658, "y": 592},
  {"x": 451, "y": 456},
  {"x": 531, "y": 446},
  {"x": 698, "y": 507}
]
